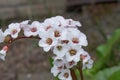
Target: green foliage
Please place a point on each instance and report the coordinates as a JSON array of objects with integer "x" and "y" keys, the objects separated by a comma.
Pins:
[
  {"x": 107, "y": 74},
  {"x": 105, "y": 51},
  {"x": 103, "y": 70},
  {"x": 115, "y": 76}
]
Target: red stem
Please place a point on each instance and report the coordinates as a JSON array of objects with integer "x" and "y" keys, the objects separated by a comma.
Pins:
[
  {"x": 73, "y": 74},
  {"x": 80, "y": 70},
  {"x": 23, "y": 37}
]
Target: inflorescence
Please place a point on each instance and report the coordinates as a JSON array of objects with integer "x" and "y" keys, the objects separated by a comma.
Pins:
[{"x": 57, "y": 34}]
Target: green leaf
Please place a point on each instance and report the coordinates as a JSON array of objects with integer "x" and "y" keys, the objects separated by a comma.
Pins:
[
  {"x": 106, "y": 48},
  {"x": 115, "y": 76},
  {"x": 105, "y": 51},
  {"x": 51, "y": 61},
  {"x": 106, "y": 74}
]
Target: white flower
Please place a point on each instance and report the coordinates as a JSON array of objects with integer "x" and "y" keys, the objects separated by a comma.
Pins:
[
  {"x": 47, "y": 41},
  {"x": 78, "y": 37},
  {"x": 2, "y": 36},
  {"x": 59, "y": 21},
  {"x": 73, "y": 53},
  {"x": 65, "y": 75},
  {"x": 70, "y": 64},
  {"x": 33, "y": 29},
  {"x": 24, "y": 23},
  {"x": 54, "y": 22},
  {"x": 58, "y": 65},
  {"x": 60, "y": 50},
  {"x": 84, "y": 57},
  {"x": 3, "y": 52},
  {"x": 72, "y": 24},
  {"x": 13, "y": 30},
  {"x": 55, "y": 70},
  {"x": 59, "y": 62},
  {"x": 74, "y": 36},
  {"x": 65, "y": 36},
  {"x": 88, "y": 64},
  {"x": 48, "y": 24}
]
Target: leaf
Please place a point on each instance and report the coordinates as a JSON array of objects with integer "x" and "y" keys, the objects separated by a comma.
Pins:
[
  {"x": 107, "y": 47},
  {"x": 51, "y": 61},
  {"x": 108, "y": 73},
  {"x": 105, "y": 51},
  {"x": 115, "y": 76}
]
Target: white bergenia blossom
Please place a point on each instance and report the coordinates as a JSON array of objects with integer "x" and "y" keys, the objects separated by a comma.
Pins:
[
  {"x": 59, "y": 21},
  {"x": 57, "y": 31},
  {"x": 33, "y": 29},
  {"x": 70, "y": 64},
  {"x": 59, "y": 62},
  {"x": 2, "y": 36},
  {"x": 3, "y": 52},
  {"x": 13, "y": 30},
  {"x": 24, "y": 23},
  {"x": 65, "y": 36},
  {"x": 72, "y": 24},
  {"x": 48, "y": 24},
  {"x": 73, "y": 53},
  {"x": 74, "y": 36},
  {"x": 60, "y": 50},
  {"x": 88, "y": 64},
  {"x": 84, "y": 57},
  {"x": 77, "y": 37},
  {"x": 47, "y": 41},
  {"x": 55, "y": 70},
  {"x": 58, "y": 65},
  {"x": 65, "y": 75}
]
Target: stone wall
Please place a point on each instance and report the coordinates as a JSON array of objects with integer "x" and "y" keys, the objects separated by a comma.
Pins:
[{"x": 27, "y": 8}]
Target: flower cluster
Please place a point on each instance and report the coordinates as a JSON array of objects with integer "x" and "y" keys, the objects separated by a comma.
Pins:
[{"x": 57, "y": 34}]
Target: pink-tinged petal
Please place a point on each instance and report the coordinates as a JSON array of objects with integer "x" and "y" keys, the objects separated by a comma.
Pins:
[
  {"x": 7, "y": 32},
  {"x": 2, "y": 36},
  {"x": 25, "y": 22},
  {"x": 14, "y": 36},
  {"x": 42, "y": 43},
  {"x": 55, "y": 71},
  {"x": 65, "y": 75},
  {"x": 83, "y": 40},
  {"x": 46, "y": 49}
]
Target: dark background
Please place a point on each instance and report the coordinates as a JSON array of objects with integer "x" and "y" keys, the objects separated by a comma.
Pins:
[{"x": 25, "y": 60}]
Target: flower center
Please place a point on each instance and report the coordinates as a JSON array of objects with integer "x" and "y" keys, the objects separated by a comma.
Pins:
[
  {"x": 82, "y": 57},
  {"x": 75, "y": 40},
  {"x": 49, "y": 41},
  {"x": 59, "y": 68},
  {"x": 66, "y": 75},
  {"x": 65, "y": 41},
  {"x": 71, "y": 63},
  {"x": 14, "y": 31},
  {"x": 59, "y": 48},
  {"x": 57, "y": 34},
  {"x": 59, "y": 25},
  {"x": 72, "y": 52},
  {"x": 34, "y": 29},
  {"x": 48, "y": 27}
]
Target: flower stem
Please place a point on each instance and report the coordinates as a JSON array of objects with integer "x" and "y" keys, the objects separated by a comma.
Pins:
[
  {"x": 80, "y": 70},
  {"x": 23, "y": 37},
  {"x": 74, "y": 77}
]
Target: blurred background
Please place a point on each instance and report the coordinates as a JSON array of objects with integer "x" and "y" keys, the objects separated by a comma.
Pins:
[{"x": 100, "y": 21}]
